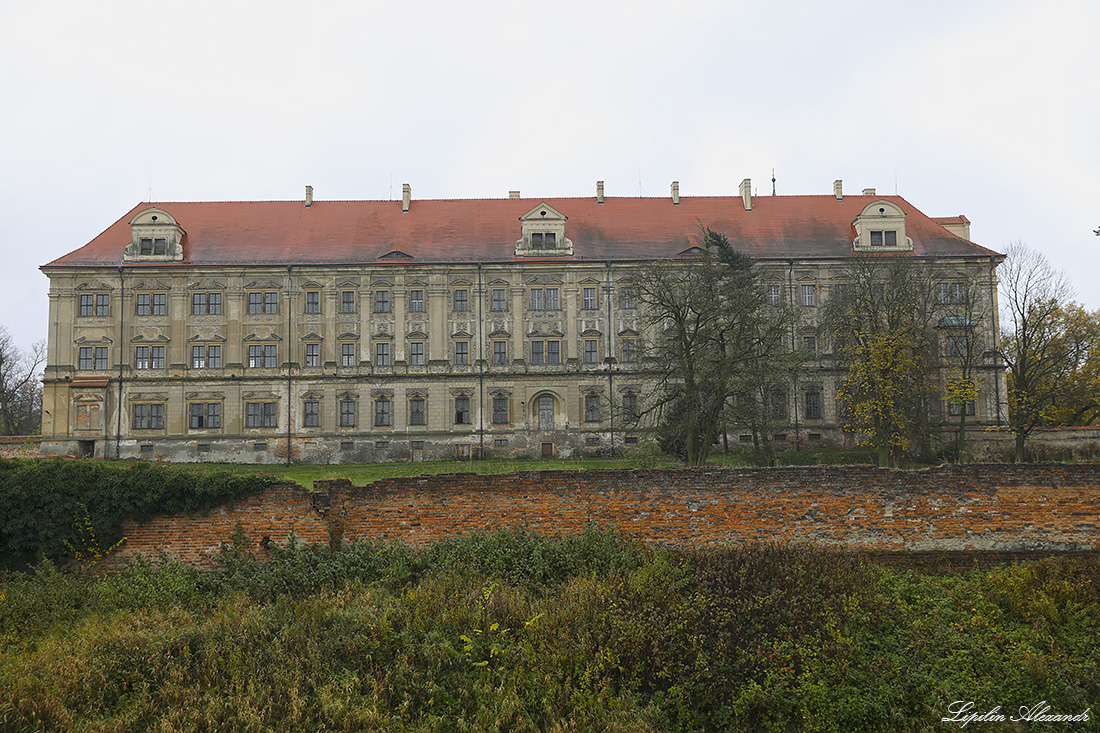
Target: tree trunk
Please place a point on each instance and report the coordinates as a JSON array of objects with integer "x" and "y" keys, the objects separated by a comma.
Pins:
[
  {"x": 1020, "y": 438},
  {"x": 960, "y": 438},
  {"x": 884, "y": 456}
]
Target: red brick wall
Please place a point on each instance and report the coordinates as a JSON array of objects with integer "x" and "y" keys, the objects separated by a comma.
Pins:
[{"x": 1003, "y": 508}]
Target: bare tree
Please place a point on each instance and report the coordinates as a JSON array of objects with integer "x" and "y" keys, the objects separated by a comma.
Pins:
[
  {"x": 1033, "y": 346},
  {"x": 709, "y": 319},
  {"x": 20, "y": 387}
]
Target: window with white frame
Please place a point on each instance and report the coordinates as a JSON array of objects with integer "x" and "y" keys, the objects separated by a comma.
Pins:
[
  {"x": 382, "y": 353},
  {"x": 151, "y": 304},
  {"x": 313, "y": 355},
  {"x": 462, "y": 352},
  {"x": 416, "y": 301},
  {"x": 808, "y": 295},
  {"x": 206, "y": 356},
  {"x": 588, "y": 299},
  {"x": 774, "y": 294},
  {"x": 347, "y": 301},
  {"x": 381, "y": 301},
  {"x": 416, "y": 353},
  {"x": 92, "y": 358},
  {"x": 499, "y": 300},
  {"x": 626, "y": 297},
  {"x": 462, "y": 299},
  {"x": 544, "y": 299}
]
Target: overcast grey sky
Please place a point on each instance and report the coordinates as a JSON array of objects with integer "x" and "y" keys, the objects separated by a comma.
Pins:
[{"x": 989, "y": 109}]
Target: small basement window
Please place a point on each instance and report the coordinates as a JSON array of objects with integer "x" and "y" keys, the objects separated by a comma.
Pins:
[
  {"x": 347, "y": 445},
  {"x": 261, "y": 445}
]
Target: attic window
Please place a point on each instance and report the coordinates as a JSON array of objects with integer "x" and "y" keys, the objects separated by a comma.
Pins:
[
  {"x": 884, "y": 238},
  {"x": 543, "y": 240},
  {"x": 153, "y": 245}
]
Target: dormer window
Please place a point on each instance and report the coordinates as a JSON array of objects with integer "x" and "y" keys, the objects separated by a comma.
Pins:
[
  {"x": 543, "y": 229},
  {"x": 543, "y": 240},
  {"x": 881, "y": 226},
  {"x": 884, "y": 238},
  {"x": 154, "y": 235}
]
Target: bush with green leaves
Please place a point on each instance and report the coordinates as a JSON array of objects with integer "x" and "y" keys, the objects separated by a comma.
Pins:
[{"x": 50, "y": 504}]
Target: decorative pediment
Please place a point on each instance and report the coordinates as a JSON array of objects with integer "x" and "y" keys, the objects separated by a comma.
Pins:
[
  {"x": 590, "y": 333},
  {"x": 95, "y": 285},
  {"x": 196, "y": 396},
  {"x": 207, "y": 283},
  {"x": 158, "y": 338},
  {"x": 148, "y": 397},
  {"x": 312, "y": 336},
  {"x": 461, "y": 282},
  {"x": 376, "y": 393},
  {"x": 310, "y": 285},
  {"x": 381, "y": 282},
  {"x": 151, "y": 285},
  {"x": 629, "y": 332},
  {"x": 206, "y": 337},
  {"x": 257, "y": 336},
  {"x": 347, "y": 395},
  {"x": 347, "y": 282},
  {"x": 84, "y": 340},
  {"x": 462, "y": 334},
  {"x": 263, "y": 285},
  {"x": 537, "y": 332},
  {"x": 348, "y": 336},
  {"x": 253, "y": 396},
  {"x": 416, "y": 335},
  {"x": 542, "y": 280},
  {"x": 499, "y": 334}
]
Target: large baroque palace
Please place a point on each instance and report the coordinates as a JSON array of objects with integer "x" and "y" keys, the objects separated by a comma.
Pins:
[{"x": 354, "y": 331}]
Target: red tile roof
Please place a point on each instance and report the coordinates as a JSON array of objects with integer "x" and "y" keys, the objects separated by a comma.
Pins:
[{"x": 485, "y": 230}]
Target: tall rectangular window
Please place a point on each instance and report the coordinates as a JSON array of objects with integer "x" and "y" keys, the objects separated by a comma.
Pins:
[
  {"x": 553, "y": 352},
  {"x": 537, "y": 302},
  {"x": 500, "y": 352},
  {"x": 160, "y": 304},
  {"x": 198, "y": 357},
  {"x": 382, "y": 354},
  {"x": 887, "y": 238},
  {"x": 630, "y": 406},
  {"x": 629, "y": 349},
  {"x": 588, "y": 299},
  {"x": 102, "y": 304},
  {"x": 156, "y": 357},
  {"x": 382, "y": 412},
  {"x": 347, "y": 413},
  {"x": 382, "y": 301},
  {"x": 87, "y": 305},
  {"x": 813, "y": 404},
  {"x": 263, "y": 355},
  {"x": 313, "y": 355},
  {"x": 809, "y": 345},
  {"x": 626, "y": 298},
  {"x": 255, "y": 303},
  {"x": 462, "y": 410},
  {"x": 313, "y": 301},
  {"x": 500, "y": 410},
  {"x": 462, "y": 352},
  {"x": 538, "y": 354},
  {"x": 86, "y": 358},
  {"x": 261, "y": 414},
  {"x": 591, "y": 351},
  {"x": 808, "y": 295},
  {"x": 591, "y": 408},
  {"x": 101, "y": 357},
  {"x": 143, "y": 304},
  {"x": 141, "y": 357},
  {"x": 416, "y": 301},
  {"x": 311, "y": 414},
  {"x": 774, "y": 293},
  {"x": 417, "y": 413},
  {"x": 416, "y": 353},
  {"x": 271, "y": 303},
  {"x": 462, "y": 300},
  {"x": 779, "y": 405},
  {"x": 347, "y": 355},
  {"x": 499, "y": 302},
  {"x": 347, "y": 301},
  {"x": 552, "y": 299}
]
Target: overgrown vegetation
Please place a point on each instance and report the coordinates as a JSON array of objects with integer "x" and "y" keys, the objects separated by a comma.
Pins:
[
  {"x": 513, "y": 631},
  {"x": 59, "y": 508}
]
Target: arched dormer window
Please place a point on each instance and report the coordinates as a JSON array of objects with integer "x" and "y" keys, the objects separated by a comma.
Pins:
[
  {"x": 880, "y": 227},
  {"x": 154, "y": 236}
]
